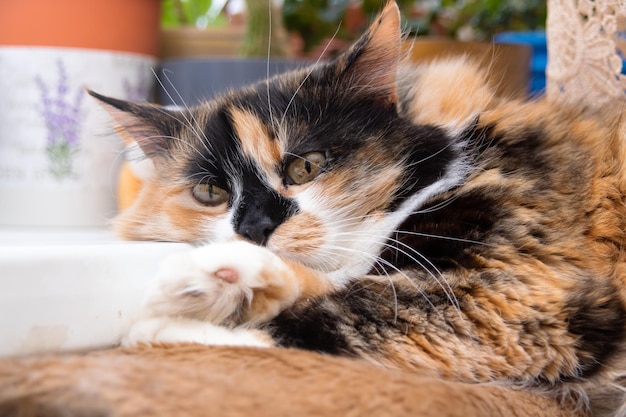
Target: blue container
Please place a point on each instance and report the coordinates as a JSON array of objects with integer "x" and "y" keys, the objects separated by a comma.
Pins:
[{"x": 537, "y": 40}]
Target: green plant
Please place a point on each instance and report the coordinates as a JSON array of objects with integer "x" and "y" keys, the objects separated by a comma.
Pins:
[
  {"x": 316, "y": 20},
  {"x": 198, "y": 13},
  {"x": 265, "y": 33},
  {"x": 476, "y": 19},
  {"x": 263, "y": 23}
]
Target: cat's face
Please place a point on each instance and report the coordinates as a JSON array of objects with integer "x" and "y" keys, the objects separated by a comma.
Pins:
[{"x": 316, "y": 165}]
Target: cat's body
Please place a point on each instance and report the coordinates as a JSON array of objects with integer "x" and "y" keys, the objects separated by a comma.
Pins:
[
  {"x": 187, "y": 380},
  {"x": 404, "y": 216}
]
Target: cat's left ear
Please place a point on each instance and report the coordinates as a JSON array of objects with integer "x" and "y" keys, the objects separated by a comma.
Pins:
[
  {"x": 372, "y": 62},
  {"x": 150, "y": 126}
]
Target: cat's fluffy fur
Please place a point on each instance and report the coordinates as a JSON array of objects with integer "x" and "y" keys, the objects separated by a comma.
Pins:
[
  {"x": 447, "y": 232},
  {"x": 199, "y": 381}
]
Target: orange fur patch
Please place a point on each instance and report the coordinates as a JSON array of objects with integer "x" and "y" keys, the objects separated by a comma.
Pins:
[
  {"x": 283, "y": 288},
  {"x": 255, "y": 140},
  {"x": 169, "y": 214},
  {"x": 449, "y": 92},
  {"x": 298, "y": 237},
  {"x": 196, "y": 381}
]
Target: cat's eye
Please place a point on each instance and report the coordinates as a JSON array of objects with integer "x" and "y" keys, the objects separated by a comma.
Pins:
[
  {"x": 209, "y": 194},
  {"x": 303, "y": 169}
]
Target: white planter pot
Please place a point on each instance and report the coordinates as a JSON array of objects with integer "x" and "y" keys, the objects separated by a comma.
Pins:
[{"x": 58, "y": 159}]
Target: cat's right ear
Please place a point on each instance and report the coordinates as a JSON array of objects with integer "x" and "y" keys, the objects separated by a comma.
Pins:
[
  {"x": 371, "y": 64},
  {"x": 150, "y": 126}
]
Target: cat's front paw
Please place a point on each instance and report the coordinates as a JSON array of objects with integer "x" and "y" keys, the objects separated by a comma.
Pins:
[
  {"x": 226, "y": 283},
  {"x": 182, "y": 330}
]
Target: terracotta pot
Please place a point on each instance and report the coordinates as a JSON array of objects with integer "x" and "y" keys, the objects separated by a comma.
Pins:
[
  {"x": 118, "y": 25},
  {"x": 507, "y": 63}
]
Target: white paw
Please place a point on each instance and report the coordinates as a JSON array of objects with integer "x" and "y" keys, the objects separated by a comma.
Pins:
[
  {"x": 215, "y": 283},
  {"x": 180, "y": 330}
]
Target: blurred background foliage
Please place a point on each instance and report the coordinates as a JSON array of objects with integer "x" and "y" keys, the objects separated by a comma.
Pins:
[
  {"x": 460, "y": 19},
  {"x": 197, "y": 13},
  {"x": 317, "y": 20}
]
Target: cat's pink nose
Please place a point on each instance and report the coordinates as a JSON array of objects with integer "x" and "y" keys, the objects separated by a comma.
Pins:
[{"x": 227, "y": 274}]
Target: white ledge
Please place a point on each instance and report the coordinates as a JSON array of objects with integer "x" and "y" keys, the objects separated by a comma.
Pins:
[{"x": 71, "y": 289}]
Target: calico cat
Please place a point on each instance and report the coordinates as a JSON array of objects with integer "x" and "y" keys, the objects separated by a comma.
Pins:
[{"x": 405, "y": 216}]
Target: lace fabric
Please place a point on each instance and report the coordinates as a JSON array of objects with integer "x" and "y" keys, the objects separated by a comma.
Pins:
[{"x": 585, "y": 50}]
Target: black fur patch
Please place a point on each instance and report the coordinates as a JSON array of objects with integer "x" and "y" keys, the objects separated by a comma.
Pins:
[
  {"x": 443, "y": 231},
  {"x": 260, "y": 210},
  {"x": 313, "y": 328},
  {"x": 598, "y": 318},
  {"x": 427, "y": 157},
  {"x": 213, "y": 161},
  {"x": 359, "y": 318}
]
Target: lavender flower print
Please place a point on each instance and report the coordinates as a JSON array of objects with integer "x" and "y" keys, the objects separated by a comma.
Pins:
[{"x": 62, "y": 116}]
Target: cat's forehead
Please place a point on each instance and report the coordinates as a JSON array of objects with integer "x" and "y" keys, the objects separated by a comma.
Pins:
[
  {"x": 259, "y": 119},
  {"x": 256, "y": 138},
  {"x": 229, "y": 138},
  {"x": 289, "y": 115}
]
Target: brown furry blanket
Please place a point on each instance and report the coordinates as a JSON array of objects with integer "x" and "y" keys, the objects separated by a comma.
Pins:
[{"x": 193, "y": 380}]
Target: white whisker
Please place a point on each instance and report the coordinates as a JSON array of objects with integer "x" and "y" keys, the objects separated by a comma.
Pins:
[
  {"x": 441, "y": 281},
  {"x": 267, "y": 74},
  {"x": 380, "y": 261},
  {"x": 282, "y": 119},
  {"x": 195, "y": 126}
]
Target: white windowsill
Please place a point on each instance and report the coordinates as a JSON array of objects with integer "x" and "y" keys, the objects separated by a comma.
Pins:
[{"x": 71, "y": 289}]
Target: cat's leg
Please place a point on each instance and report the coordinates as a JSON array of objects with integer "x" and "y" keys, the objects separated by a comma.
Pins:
[
  {"x": 166, "y": 329},
  {"x": 230, "y": 283}
]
